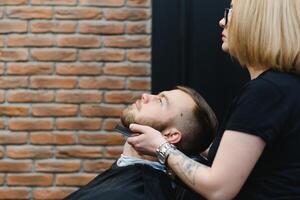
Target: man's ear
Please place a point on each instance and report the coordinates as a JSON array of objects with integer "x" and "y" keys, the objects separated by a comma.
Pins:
[{"x": 173, "y": 135}]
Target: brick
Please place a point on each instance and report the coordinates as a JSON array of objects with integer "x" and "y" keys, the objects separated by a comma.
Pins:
[
  {"x": 101, "y": 28},
  {"x": 52, "y": 82},
  {"x": 2, "y": 124},
  {"x": 97, "y": 166},
  {"x": 139, "y": 84},
  {"x": 29, "y": 68},
  {"x": 138, "y": 28},
  {"x": 2, "y": 68},
  {"x": 113, "y": 152},
  {"x": 121, "y": 96},
  {"x": 79, "y": 96},
  {"x": 15, "y": 166},
  {"x": 101, "y": 55},
  {"x": 74, "y": 179},
  {"x": 102, "y": 83},
  {"x": 78, "y": 124},
  {"x": 14, "y": 193},
  {"x": 30, "y": 124},
  {"x": 110, "y": 124},
  {"x": 54, "y": 2},
  {"x": 57, "y": 166},
  {"x": 138, "y": 3},
  {"x": 50, "y": 193},
  {"x": 79, "y": 152},
  {"x": 55, "y": 138},
  {"x": 109, "y": 3},
  {"x": 1, "y": 179},
  {"x": 78, "y": 13},
  {"x": 7, "y": 137},
  {"x": 127, "y": 14},
  {"x": 1, "y": 37},
  {"x": 126, "y": 42},
  {"x": 127, "y": 69},
  {"x": 12, "y": 110},
  {"x": 30, "y": 13},
  {"x": 78, "y": 41},
  {"x": 139, "y": 55},
  {"x": 13, "y": 26},
  {"x": 29, "y": 96},
  {"x": 97, "y": 110},
  {"x": 13, "y": 54},
  {"x": 2, "y": 96},
  {"x": 53, "y": 27},
  {"x": 1, "y": 156},
  {"x": 79, "y": 69},
  {"x": 14, "y": 2},
  {"x": 13, "y": 82},
  {"x": 101, "y": 139},
  {"x": 29, "y": 179},
  {"x": 33, "y": 152},
  {"x": 29, "y": 41},
  {"x": 53, "y": 54},
  {"x": 54, "y": 110}
]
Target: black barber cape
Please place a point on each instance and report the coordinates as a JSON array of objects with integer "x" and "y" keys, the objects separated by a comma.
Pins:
[{"x": 133, "y": 182}]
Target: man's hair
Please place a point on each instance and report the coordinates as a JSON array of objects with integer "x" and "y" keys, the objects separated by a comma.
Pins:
[
  {"x": 199, "y": 130},
  {"x": 266, "y": 33}
]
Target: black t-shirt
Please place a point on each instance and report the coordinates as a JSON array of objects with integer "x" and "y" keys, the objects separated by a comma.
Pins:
[{"x": 269, "y": 107}]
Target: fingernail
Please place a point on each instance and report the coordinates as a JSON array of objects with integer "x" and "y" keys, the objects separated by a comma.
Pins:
[{"x": 131, "y": 126}]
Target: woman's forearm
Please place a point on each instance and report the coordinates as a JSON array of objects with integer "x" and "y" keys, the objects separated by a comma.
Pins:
[
  {"x": 231, "y": 167},
  {"x": 196, "y": 175}
]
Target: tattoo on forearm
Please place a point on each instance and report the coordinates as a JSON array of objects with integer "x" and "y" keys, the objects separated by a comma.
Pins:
[{"x": 186, "y": 166}]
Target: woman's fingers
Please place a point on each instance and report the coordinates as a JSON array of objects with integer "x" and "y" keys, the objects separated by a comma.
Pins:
[
  {"x": 147, "y": 140},
  {"x": 138, "y": 128},
  {"x": 133, "y": 140}
]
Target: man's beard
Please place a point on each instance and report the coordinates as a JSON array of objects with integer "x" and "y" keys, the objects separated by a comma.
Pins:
[{"x": 128, "y": 117}]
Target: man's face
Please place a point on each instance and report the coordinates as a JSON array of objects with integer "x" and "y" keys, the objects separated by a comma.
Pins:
[{"x": 159, "y": 111}]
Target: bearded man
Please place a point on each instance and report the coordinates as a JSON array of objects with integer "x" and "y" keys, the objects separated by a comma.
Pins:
[{"x": 185, "y": 120}]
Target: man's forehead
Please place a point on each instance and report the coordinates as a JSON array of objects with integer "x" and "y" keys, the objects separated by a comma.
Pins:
[
  {"x": 173, "y": 92},
  {"x": 177, "y": 97},
  {"x": 179, "y": 101},
  {"x": 170, "y": 91}
]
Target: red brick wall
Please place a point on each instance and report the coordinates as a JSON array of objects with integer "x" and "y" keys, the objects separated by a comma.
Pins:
[{"x": 67, "y": 69}]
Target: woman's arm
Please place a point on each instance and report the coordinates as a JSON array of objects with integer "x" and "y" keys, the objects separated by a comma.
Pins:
[{"x": 237, "y": 154}]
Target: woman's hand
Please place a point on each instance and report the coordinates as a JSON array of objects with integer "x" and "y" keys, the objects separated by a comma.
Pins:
[{"x": 147, "y": 141}]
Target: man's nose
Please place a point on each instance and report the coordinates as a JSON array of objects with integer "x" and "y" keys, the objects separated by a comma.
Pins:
[{"x": 146, "y": 98}]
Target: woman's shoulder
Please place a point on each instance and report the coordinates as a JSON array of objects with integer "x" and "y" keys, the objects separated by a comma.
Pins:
[
  {"x": 280, "y": 78},
  {"x": 269, "y": 87},
  {"x": 275, "y": 82}
]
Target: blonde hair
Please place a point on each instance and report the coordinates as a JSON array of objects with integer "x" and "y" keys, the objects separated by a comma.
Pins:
[{"x": 266, "y": 33}]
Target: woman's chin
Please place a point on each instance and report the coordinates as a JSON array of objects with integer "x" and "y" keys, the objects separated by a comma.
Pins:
[{"x": 225, "y": 47}]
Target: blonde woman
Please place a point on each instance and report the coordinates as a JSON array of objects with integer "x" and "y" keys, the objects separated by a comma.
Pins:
[{"x": 256, "y": 152}]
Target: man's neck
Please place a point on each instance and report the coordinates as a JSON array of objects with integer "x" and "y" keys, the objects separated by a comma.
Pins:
[{"x": 128, "y": 150}]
